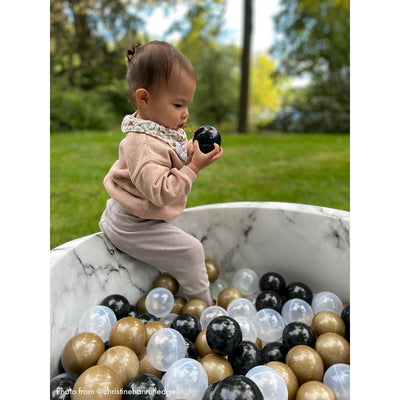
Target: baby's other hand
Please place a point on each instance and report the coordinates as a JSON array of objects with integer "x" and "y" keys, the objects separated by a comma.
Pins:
[
  {"x": 201, "y": 160},
  {"x": 190, "y": 150}
]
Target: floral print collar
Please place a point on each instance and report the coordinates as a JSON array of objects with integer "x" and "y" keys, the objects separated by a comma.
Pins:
[{"x": 175, "y": 138}]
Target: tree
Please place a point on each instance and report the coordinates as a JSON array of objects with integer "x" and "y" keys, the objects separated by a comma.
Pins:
[
  {"x": 244, "y": 80},
  {"x": 216, "y": 65},
  {"x": 314, "y": 41},
  {"x": 264, "y": 90}
]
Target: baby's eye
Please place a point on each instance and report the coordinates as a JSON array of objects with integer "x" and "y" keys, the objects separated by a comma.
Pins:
[{"x": 178, "y": 105}]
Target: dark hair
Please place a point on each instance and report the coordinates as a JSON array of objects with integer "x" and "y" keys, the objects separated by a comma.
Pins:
[{"x": 151, "y": 64}]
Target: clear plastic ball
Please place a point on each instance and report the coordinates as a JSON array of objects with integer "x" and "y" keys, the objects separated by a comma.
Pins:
[
  {"x": 186, "y": 379},
  {"x": 326, "y": 301},
  {"x": 269, "y": 381},
  {"x": 165, "y": 347},
  {"x": 246, "y": 281},
  {"x": 248, "y": 328},
  {"x": 241, "y": 308},
  {"x": 269, "y": 325},
  {"x": 168, "y": 319},
  {"x": 217, "y": 287},
  {"x": 253, "y": 297},
  {"x": 297, "y": 310},
  {"x": 159, "y": 302},
  {"x": 337, "y": 377},
  {"x": 209, "y": 314},
  {"x": 98, "y": 320}
]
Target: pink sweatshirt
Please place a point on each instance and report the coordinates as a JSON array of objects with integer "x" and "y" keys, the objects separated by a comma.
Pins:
[{"x": 149, "y": 180}]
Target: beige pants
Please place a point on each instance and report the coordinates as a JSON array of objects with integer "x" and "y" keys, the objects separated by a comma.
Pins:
[{"x": 160, "y": 244}]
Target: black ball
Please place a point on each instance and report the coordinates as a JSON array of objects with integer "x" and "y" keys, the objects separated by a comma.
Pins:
[
  {"x": 274, "y": 351},
  {"x": 61, "y": 369},
  {"x": 345, "y": 315},
  {"x": 296, "y": 333},
  {"x": 273, "y": 281},
  {"x": 119, "y": 304},
  {"x": 188, "y": 325},
  {"x": 133, "y": 311},
  {"x": 209, "y": 393},
  {"x": 191, "y": 351},
  {"x": 144, "y": 387},
  {"x": 237, "y": 387},
  {"x": 61, "y": 387},
  {"x": 246, "y": 356},
  {"x": 207, "y": 135},
  {"x": 269, "y": 299},
  {"x": 223, "y": 335},
  {"x": 147, "y": 317},
  {"x": 298, "y": 290}
]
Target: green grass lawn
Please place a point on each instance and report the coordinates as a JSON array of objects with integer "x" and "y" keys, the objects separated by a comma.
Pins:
[{"x": 296, "y": 168}]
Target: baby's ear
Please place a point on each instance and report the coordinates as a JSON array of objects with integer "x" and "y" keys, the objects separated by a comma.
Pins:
[{"x": 142, "y": 97}]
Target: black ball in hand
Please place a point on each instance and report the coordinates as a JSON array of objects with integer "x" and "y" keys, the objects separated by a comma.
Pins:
[{"x": 207, "y": 135}]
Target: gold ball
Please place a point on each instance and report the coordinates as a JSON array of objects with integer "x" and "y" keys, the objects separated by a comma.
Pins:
[
  {"x": 217, "y": 368},
  {"x": 194, "y": 307},
  {"x": 122, "y": 360},
  {"x": 328, "y": 322},
  {"x": 306, "y": 363},
  {"x": 314, "y": 390},
  {"x": 212, "y": 270},
  {"x": 333, "y": 349},
  {"x": 167, "y": 281},
  {"x": 81, "y": 352},
  {"x": 179, "y": 302},
  {"x": 288, "y": 376},
  {"x": 98, "y": 383},
  {"x": 227, "y": 295},
  {"x": 145, "y": 366},
  {"x": 201, "y": 344},
  {"x": 152, "y": 327},
  {"x": 129, "y": 332},
  {"x": 141, "y": 305}
]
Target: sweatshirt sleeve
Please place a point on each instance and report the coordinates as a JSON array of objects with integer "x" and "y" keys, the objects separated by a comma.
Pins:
[
  {"x": 156, "y": 171},
  {"x": 163, "y": 185}
]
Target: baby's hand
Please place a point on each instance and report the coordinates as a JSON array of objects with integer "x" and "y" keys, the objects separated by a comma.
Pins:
[{"x": 201, "y": 160}]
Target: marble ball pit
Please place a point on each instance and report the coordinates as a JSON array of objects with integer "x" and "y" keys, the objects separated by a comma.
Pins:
[{"x": 301, "y": 242}]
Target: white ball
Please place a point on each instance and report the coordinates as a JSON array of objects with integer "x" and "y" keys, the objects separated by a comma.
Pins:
[
  {"x": 209, "y": 314},
  {"x": 326, "y": 301},
  {"x": 246, "y": 281},
  {"x": 337, "y": 377},
  {"x": 99, "y": 320},
  {"x": 241, "y": 308},
  {"x": 165, "y": 347},
  {"x": 269, "y": 325},
  {"x": 269, "y": 381},
  {"x": 248, "y": 329},
  {"x": 159, "y": 302},
  {"x": 168, "y": 319},
  {"x": 217, "y": 287},
  {"x": 186, "y": 379},
  {"x": 297, "y": 310}
]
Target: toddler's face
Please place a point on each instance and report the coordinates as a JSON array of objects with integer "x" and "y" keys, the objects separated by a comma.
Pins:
[{"x": 169, "y": 104}]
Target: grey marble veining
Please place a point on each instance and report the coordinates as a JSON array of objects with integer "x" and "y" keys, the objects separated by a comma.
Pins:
[{"x": 301, "y": 242}]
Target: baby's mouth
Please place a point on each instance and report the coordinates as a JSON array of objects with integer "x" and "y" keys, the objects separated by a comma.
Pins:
[{"x": 180, "y": 126}]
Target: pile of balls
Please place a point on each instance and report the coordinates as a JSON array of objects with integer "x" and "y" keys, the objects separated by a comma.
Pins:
[{"x": 262, "y": 339}]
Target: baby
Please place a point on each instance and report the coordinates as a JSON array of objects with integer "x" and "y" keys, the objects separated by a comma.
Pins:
[{"x": 153, "y": 175}]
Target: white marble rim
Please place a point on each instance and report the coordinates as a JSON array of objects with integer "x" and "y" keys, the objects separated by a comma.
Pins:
[{"x": 295, "y": 207}]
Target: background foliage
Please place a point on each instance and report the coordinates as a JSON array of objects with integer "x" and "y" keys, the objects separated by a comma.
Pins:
[{"x": 89, "y": 39}]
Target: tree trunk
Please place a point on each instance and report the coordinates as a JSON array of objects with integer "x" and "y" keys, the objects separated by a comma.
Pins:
[
  {"x": 244, "y": 81},
  {"x": 82, "y": 31}
]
